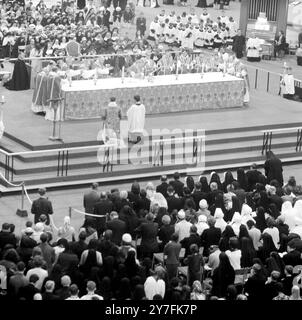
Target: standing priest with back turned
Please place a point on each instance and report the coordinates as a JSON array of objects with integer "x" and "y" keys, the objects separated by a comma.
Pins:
[{"x": 136, "y": 120}]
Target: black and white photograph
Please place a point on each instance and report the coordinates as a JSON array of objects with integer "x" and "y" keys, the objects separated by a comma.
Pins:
[{"x": 150, "y": 153}]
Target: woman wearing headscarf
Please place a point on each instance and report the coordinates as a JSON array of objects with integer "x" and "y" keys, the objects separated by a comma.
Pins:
[
  {"x": 248, "y": 253},
  {"x": 268, "y": 246},
  {"x": 204, "y": 184},
  {"x": 90, "y": 257},
  {"x": 220, "y": 223},
  {"x": 260, "y": 219},
  {"x": 234, "y": 254},
  {"x": 288, "y": 212},
  {"x": 246, "y": 214},
  {"x": 67, "y": 231},
  {"x": 273, "y": 231},
  {"x": 201, "y": 225},
  {"x": 228, "y": 179},
  {"x": 295, "y": 293},
  {"x": 189, "y": 181},
  {"x": 298, "y": 219},
  {"x": 131, "y": 264},
  {"x": 223, "y": 276},
  {"x": 215, "y": 178},
  {"x": 224, "y": 243},
  {"x": 218, "y": 203},
  {"x": 234, "y": 207},
  {"x": 275, "y": 263},
  {"x": 236, "y": 223}
]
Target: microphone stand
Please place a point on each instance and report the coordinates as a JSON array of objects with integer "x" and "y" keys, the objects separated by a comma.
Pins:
[{"x": 55, "y": 105}]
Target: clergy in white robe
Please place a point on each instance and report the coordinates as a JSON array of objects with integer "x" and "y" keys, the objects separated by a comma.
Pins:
[
  {"x": 253, "y": 49},
  {"x": 136, "y": 120},
  {"x": 288, "y": 84}
]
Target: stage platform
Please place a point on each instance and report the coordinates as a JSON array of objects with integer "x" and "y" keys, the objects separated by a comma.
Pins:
[{"x": 233, "y": 138}]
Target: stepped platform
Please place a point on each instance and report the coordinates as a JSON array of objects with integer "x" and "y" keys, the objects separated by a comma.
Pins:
[{"x": 233, "y": 139}]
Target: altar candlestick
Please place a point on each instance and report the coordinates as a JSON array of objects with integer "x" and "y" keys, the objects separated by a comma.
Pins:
[{"x": 2, "y": 99}]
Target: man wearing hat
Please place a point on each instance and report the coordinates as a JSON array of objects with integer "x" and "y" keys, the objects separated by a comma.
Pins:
[
  {"x": 182, "y": 227},
  {"x": 203, "y": 208},
  {"x": 41, "y": 206},
  {"x": 125, "y": 247}
]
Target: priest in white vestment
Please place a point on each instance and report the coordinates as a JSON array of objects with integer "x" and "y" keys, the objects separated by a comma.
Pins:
[
  {"x": 136, "y": 120},
  {"x": 253, "y": 49},
  {"x": 288, "y": 84}
]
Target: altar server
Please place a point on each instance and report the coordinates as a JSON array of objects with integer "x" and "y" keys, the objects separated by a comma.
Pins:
[
  {"x": 288, "y": 83},
  {"x": 253, "y": 49},
  {"x": 136, "y": 120}
]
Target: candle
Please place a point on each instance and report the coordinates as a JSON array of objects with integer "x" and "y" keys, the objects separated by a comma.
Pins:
[
  {"x": 123, "y": 72},
  {"x": 2, "y": 99}
]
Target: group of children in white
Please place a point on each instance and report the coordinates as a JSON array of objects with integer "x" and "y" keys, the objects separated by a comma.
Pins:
[{"x": 193, "y": 31}]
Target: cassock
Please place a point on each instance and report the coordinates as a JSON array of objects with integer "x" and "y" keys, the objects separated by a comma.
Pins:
[
  {"x": 20, "y": 79},
  {"x": 136, "y": 119}
]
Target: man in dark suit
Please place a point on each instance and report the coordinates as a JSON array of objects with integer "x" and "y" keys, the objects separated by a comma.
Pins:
[
  {"x": 6, "y": 237},
  {"x": 91, "y": 198},
  {"x": 198, "y": 195},
  {"x": 27, "y": 293},
  {"x": 273, "y": 168},
  {"x": 252, "y": 177},
  {"x": 293, "y": 257},
  {"x": 42, "y": 206},
  {"x": 194, "y": 238},
  {"x": 117, "y": 226},
  {"x": 162, "y": 188},
  {"x": 173, "y": 201},
  {"x": 177, "y": 185},
  {"x": 102, "y": 208},
  {"x": 148, "y": 231},
  {"x": 210, "y": 236}
]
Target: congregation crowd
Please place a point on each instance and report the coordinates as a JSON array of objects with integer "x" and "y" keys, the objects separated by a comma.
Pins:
[
  {"x": 41, "y": 31},
  {"x": 188, "y": 240}
]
